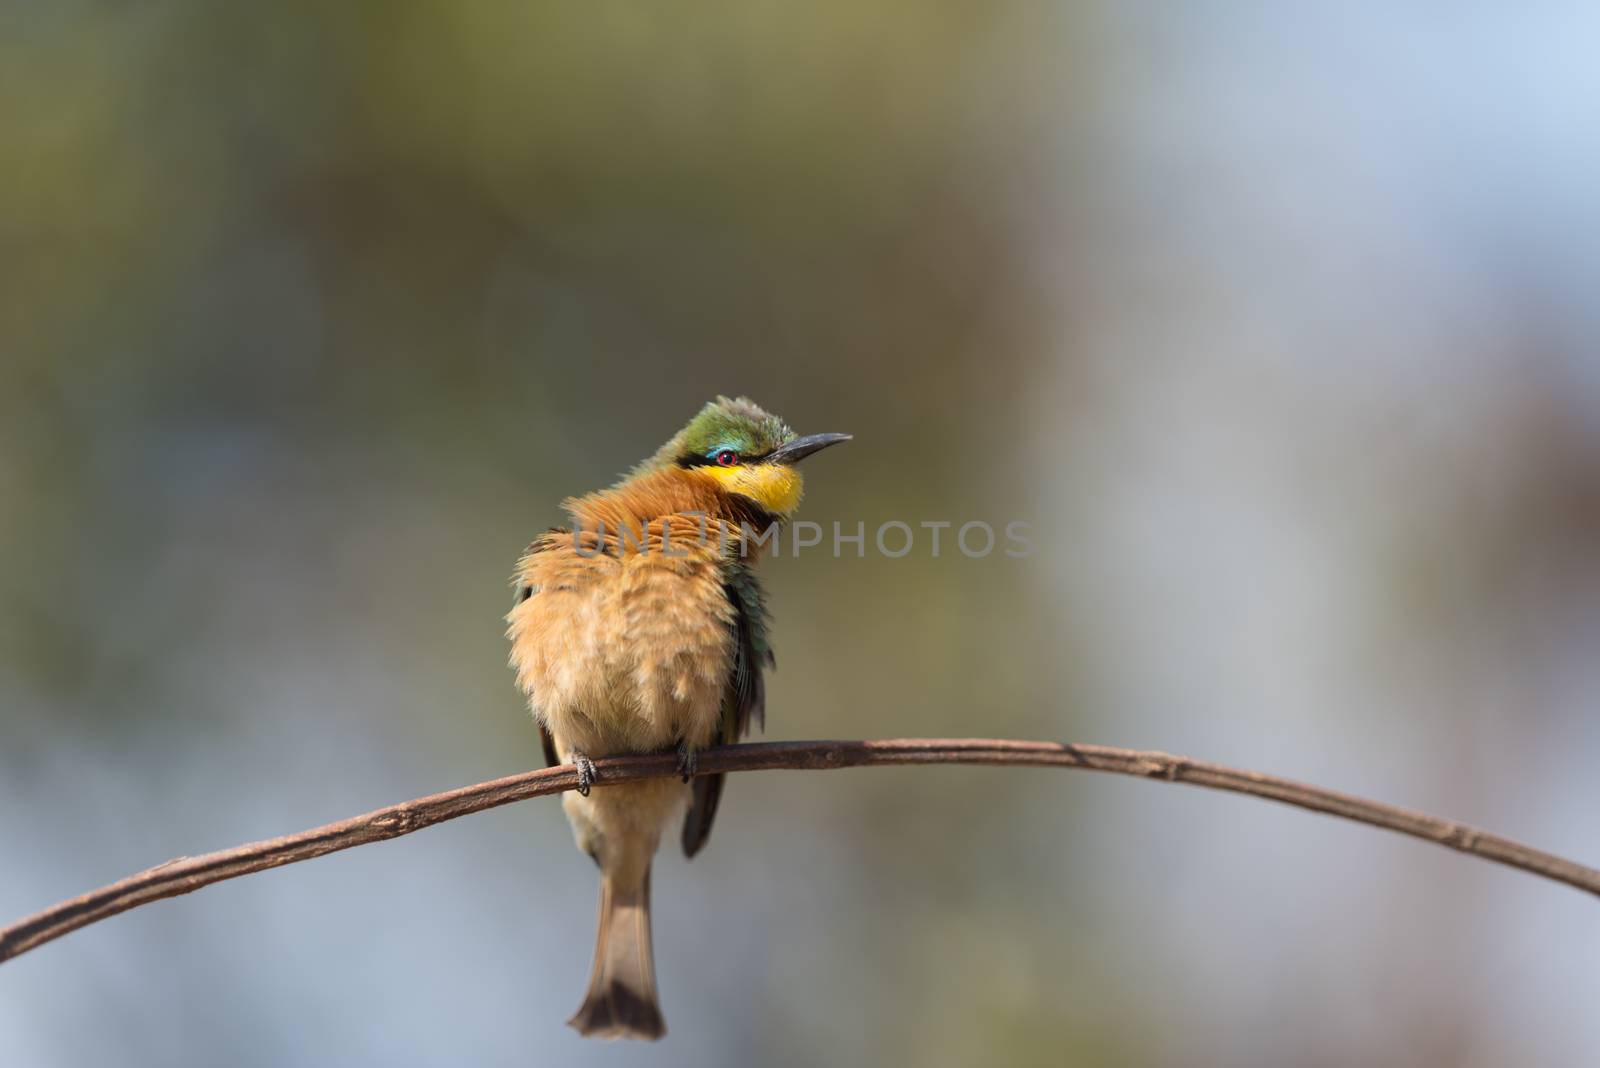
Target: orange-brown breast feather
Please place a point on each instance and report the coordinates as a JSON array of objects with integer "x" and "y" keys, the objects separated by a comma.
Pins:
[
  {"x": 692, "y": 501},
  {"x": 623, "y": 648}
]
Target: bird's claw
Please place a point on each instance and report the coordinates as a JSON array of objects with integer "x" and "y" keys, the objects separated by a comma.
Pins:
[
  {"x": 688, "y": 760},
  {"x": 586, "y": 772}
]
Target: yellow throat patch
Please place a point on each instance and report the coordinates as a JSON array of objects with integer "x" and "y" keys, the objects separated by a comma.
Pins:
[{"x": 775, "y": 487}]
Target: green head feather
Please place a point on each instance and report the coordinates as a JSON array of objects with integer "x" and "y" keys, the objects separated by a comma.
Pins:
[{"x": 723, "y": 424}]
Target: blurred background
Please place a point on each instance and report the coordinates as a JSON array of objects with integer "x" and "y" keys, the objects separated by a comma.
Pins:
[{"x": 1278, "y": 322}]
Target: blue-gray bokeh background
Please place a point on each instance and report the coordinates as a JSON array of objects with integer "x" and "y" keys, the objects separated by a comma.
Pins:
[{"x": 1279, "y": 322}]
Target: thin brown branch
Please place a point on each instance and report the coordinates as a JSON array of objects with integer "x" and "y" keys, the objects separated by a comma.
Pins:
[{"x": 186, "y": 874}]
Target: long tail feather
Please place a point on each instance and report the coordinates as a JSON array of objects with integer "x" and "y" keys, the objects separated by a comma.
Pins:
[{"x": 621, "y": 1002}]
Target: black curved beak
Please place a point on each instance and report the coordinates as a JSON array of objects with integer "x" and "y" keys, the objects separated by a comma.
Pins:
[{"x": 792, "y": 452}]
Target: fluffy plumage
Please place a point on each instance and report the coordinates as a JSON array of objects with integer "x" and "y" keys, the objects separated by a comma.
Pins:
[{"x": 643, "y": 628}]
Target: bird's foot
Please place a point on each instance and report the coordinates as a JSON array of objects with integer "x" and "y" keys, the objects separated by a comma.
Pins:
[
  {"x": 688, "y": 759},
  {"x": 586, "y": 772}
]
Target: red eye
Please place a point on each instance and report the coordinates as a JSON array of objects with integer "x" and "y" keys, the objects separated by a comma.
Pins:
[{"x": 726, "y": 458}]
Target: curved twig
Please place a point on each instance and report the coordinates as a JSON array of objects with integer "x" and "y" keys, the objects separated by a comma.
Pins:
[{"x": 186, "y": 874}]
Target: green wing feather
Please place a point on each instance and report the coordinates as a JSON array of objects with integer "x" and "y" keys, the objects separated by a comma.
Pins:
[{"x": 744, "y": 698}]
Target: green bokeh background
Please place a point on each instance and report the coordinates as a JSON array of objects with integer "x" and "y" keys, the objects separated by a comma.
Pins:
[{"x": 1277, "y": 326}]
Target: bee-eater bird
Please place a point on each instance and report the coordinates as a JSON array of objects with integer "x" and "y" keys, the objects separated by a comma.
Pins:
[{"x": 643, "y": 628}]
